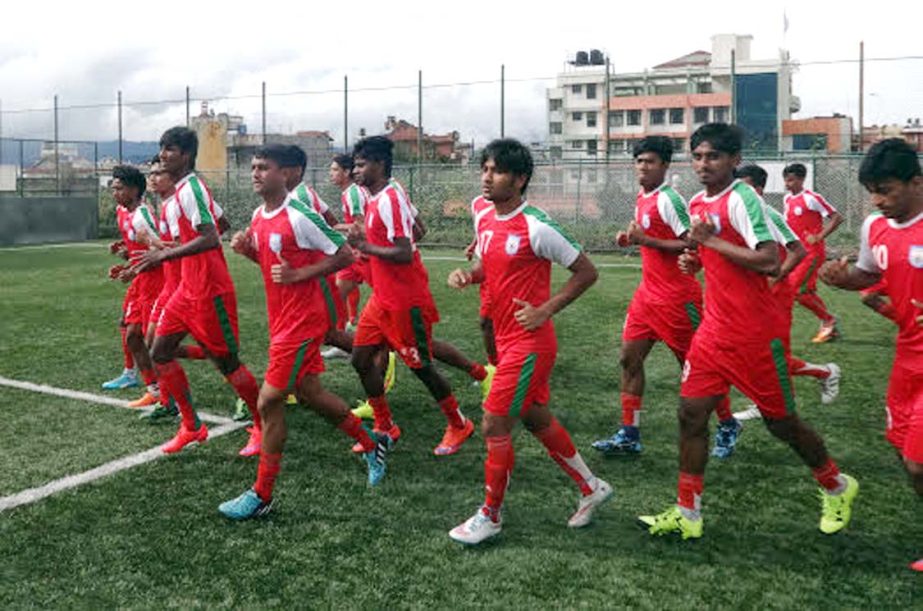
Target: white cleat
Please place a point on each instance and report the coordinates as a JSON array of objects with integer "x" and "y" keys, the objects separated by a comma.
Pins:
[
  {"x": 476, "y": 529},
  {"x": 830, "y": 386},
  {"x": 588, "y": 505},
  {"x": 335, "y": 353}
]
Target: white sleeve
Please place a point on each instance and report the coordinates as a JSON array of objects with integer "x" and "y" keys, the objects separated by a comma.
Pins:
[
  {"x": 674, "y": 212},
  {"x": 818, "y": 204},
  {"x": 866, "y": 261},
  {"x": 320, "y": 204},
  {"x": 748, "y": 217},
  {"x": 313, "y": 233},
  {"x": 550, "y": 242},
  {"x": 193, "y": 204},
  {"x": 779, "y": 229},
  {"x": 219, "y": 211}
]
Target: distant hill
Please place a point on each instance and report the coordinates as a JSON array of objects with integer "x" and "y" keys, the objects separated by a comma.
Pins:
[{"x": 132, "y": 152}]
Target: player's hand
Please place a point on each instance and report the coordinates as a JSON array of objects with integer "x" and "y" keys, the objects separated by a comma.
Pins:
[
  {"x": 530, "y": 317},
  {"x": 115, "y": 247},
  {"x": 621, "y": 239},
  {"x": 460, "y": 278},
  {"x": 701, "y": 230},
  {"x": 283, "y": 273},
  {"x": 356, "y": 236},
  {"x": 689, "y": 262},
  {"x": 469, "y": 250},
  {"x": 143, "y": 260},
  {"x": 812, "y": 238},
  {"x": 834, "y": 273},
  {"x": 635, "y": 234},
  {"x": 115, "y": 271},
  {"x": 919, "y": 317},
  {"x": 127, "y": 274},
  {"x": 241, "y": 243}
]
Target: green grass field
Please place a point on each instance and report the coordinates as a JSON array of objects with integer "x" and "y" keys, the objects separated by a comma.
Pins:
[{"x": 151, "y": 536}]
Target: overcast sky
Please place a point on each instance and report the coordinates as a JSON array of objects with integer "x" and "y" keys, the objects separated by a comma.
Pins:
[{"x": 85, "y": 52}]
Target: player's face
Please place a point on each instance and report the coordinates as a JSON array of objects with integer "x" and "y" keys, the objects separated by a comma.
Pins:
[
  {"x": 793, "y": 183},
  {"x": 499, "y": 186},
  {"x": 338, "y": 175},
  {"x": 895, "y": 199},
  {"x": 122, "y": 193},
  {"x": 650, "y": 170},
  {"x": 367, "y": 172},
  {"x": 713, "y": 167},
  {"x": 172, "y": 160},
  {"x": 267, "y": 177}
]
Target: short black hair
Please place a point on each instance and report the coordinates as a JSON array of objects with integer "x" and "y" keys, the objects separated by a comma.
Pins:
[
  {"x": 659, "y": 145},
  {"x": 130, "y": 177},
  {"x": 754, "y": 172},
  {"x": 889, "y": 159},
  {"x": 510, "y": 155},
  {"x": 722, "y": 136},
  {"x": 795, "y": 169},
  {"x": 345, "y": 161},
  {"x": 182, "y": 138},
  {"x": 376, "y": 148},
  {"x": 283, "y": 155},
  {"x": 155, "y": 159}
]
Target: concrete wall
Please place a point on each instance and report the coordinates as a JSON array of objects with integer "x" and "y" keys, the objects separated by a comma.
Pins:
[{"x": 41, "y": 220}]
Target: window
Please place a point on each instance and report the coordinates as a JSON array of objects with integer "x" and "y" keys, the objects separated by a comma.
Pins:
[
  {"x": 616, "y": 146},
  {"x": 721, "y": 114},
  {"x": 634, "y": 117},
  {"x": 658, "y": 116},
  {"x": 700, "y": 115},
  {"x": 591, "y": 147},
  {"x": 555, "y": 152},
  {"x": 577, "y": 116},
  {"x": 679, "y": 146},
  {"x": 591, "y": 119},
  {"x": 616, "y": 119},
  {"x": 576, "y": 144},
  {"x": 555, "y": 127},
  {"x": 555, "y": 104},
  {"x": 576, "y": 88},
  {"x": 677, "y": 116},
  {"x": 591, "y": 91},
  {"x": 591, "y": 176},
  {"x": 703, "y": 88}
]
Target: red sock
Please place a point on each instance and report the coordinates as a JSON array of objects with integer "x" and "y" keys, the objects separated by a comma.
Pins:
[
  {"x": 193, "y": 352},
  {"x": 247, "y": 389},
  {"x": 148, "y": 376},
  {"x": 562, "y": 450},
  {"x": 352, "y": 426},
  {"x": 492, "y": 359},
  {"x": 723, "y": 410},
  {"x": 352, "y": 304},
  {"x": 497, "y": 469},
  {"x": 449, "y": 407},
  {"x": 813, "y": 302},
  {"x": 802, "y": 368},
  {"x": 129, "y": 359},
  {"x": 631, "y": 409},
  {"x": 477, "y": 372},
  {"x": 266, "y": 473},
  {"x": 173, "y": 383},
  {"x": 689, "y": 491},
  {"x": 382, "y": 412},
  {"x": 828, "y": 475}
]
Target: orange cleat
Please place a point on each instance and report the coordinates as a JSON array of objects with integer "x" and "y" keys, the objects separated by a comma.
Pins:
[
  {"x": 827, "y": 332},
  {"x": 183, "y": 438},
  {"x": 146, "y": 401},
  {"x": 917, "y": 566},
  {"x": 254, "y": 444},
  {"x": 454, "y": 438}
]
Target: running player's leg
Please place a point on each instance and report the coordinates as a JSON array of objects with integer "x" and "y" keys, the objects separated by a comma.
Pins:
[{"x": 453, "y": 357}]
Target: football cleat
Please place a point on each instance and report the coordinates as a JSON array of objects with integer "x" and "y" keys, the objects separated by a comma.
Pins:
[
  {"x": 622, "y": 443},
  {"x": 254, "y": 443},
  {"x": 183, "y": 438},
  {"x": 476, "y": 529},
  {"x": 726, "y": 436},
  {"x": 830, "y": 386},
  {"x": 589, "y": 504},
  {"x": 245, "y": 507},
  {"x": 391, "y": 371},
  {"x": 127, "y": 379},
  {"x": 453, "y": 438},
  {"x": 146, "y": 401},
  {"x": 836, "y": 509},
  {"x": 672, "y": 521}
]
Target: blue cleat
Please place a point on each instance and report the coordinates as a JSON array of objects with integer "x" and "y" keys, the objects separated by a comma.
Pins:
[
  {"x": 245, "y": 507},
  {"x": 375, "y": 459},
  {"x": 128, "y": 379},
  {"x": 726, "y": 437},
  {"x": 627, "y": 440}
]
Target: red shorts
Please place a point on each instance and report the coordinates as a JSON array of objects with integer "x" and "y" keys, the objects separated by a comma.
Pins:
[
  {"x": 522, "y": 380},
  {"x": 409, "y": 332},
  {"x": 879, "y": 288},
  {"x": 336, "y": 305},
  {"x": 484, "y": 310},
  {"x": 290, "y": 361},
  {"x": 358, "y": 272},
  {"x": 905, "y": 411},
  {"x": 803, "y": 279},
  {"x": 161, "y": 302},
  {"x": 759, "y": 371},
  {"x": 211, "y": 322},
  {"x": 672, "y": 323},
  {"x": 137, "y": 306}
]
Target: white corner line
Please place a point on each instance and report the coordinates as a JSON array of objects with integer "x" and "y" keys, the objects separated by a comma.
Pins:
[
  {"x": 90, "y": 397},
  {"x": 32, "y": 495}
]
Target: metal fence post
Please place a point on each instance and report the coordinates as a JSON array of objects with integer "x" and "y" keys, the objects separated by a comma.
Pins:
[{"x": 22, "y": 170}]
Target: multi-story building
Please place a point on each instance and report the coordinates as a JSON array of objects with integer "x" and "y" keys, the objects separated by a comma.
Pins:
[{"x": 671, "y": 99}]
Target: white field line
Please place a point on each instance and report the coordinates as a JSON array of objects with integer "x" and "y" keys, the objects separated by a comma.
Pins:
[
  {"x": 32, "y": 495},
  {"x": 91, "y": 398},
  {"x": 94, "y": 245}
]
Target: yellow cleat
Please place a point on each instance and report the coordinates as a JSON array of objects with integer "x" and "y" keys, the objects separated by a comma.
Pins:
[
  {"x": 390, "y": 371},
  {"x": 488, "y": 381},
  {"x": 364, "y": 410},
  {"x": 672, "y": 521},
  {"x": 837, "y": 508},
  {"x": 291, "y": 400}
]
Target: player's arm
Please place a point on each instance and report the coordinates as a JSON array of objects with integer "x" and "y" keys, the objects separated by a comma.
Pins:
[
  {"x": 223, "y": 224},
  {"x": 283, "y": 273},
  {"x": 206, "y": 240},
  {"x": 330, "y": 219},
  {"x": 583, "y": 276},
  {"x": 242, "y": 244},
  {"x": 834, "y": 220},
  {"x": 863, "y": 274},
  {"x": 634, "y": 235},
  {"x": 460, "y": 278},
  {"x": 312, "y": 233},
  {"x": 764, "y": 258},
  {"x": 672, "y": 209},
  {"x": 401, "y": 252},
  {"x": 796, "y": 252}
]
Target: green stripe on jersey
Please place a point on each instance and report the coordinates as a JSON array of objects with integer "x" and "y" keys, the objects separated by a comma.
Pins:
[
  {"x": 754, "y": 207},
  {"x": 540, "y": 216},
  {"x": 319, "y": 221},
  {"x": 522, "y": 385},
  {"x": 678, "y": 206},
  {"x": 355, "y": 202},
  {"x": 147, "y": 217},
  {"x": 205, "y": 214},
  {"x": 779, "y": 221}
]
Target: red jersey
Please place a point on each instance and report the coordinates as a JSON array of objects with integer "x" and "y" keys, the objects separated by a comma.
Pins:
[
  {"x": 133, "y": 225},
  {"x": 206, "y": 274},
  {"x": 663, "y": 214},
  {"x": 297, "y": 312},
  {"x": 354, "y": 199},
  {"x": 516, "y": 251},
  {"x": 306, "y": 194},
  {"x": 895, "y": 250},
  {"x": 169, "y": 232},
  {"x": 397, "y": 286},
  {"x": 739, "y": 307},
  {"x": 805, "y": 214}
]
